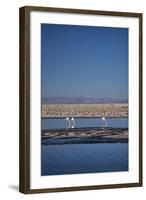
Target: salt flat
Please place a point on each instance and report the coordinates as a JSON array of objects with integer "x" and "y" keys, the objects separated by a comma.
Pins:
[{"x": 84, "y": 110}]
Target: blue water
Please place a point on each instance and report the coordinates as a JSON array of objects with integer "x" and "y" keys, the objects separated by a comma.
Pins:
[
  {"x": 84, "y": 158},
  {"x": 84, "y": 122}
]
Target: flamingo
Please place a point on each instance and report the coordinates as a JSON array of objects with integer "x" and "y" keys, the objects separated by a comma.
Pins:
[
  {"x": 104, "y": 119},
  {"x": 68, "y": 120},
  {"x": 73, "y": 122}
]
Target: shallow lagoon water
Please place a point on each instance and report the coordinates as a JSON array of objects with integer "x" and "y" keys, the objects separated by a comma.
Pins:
[
  {"x": 57, "y": 159},
  {"x": 84, "y": 158},
  {"x": 50, "y": 123}
]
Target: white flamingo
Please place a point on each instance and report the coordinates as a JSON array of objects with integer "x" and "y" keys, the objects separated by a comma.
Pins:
[
  {"x": 73, "y": 122},
  {"x": 103, "y": 118},
  {"x": 68, "y": 121}
]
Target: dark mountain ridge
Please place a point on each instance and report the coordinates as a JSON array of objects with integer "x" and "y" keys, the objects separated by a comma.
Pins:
[{"x": 81, "y": 100}]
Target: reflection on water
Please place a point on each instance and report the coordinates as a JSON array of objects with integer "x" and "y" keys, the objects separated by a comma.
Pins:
[
  {"x": 49, "y": 123},
  {"x": 83, "y": 158}
]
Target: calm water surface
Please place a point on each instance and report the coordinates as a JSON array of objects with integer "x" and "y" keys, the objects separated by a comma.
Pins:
[
  {"x": 85, "y": 122},
  {"x": 84, "y": 158}
]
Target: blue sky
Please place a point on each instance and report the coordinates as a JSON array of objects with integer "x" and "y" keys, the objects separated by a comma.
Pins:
[{"x": 84, "y": 61}]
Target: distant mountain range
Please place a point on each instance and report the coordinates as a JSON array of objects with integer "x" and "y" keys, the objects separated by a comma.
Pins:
[{"x": 81, "y": 100}]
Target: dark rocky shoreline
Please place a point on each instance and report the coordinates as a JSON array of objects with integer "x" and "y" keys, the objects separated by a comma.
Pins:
[{"x": 85, "y": 135}]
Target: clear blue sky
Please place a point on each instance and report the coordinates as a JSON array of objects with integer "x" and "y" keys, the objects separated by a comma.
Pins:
[{"x": 84, "y": 61}]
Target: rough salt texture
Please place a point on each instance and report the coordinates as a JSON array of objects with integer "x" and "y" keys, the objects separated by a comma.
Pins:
[
  {"x": 85, "y": 110},
  {"x": 114, "y": 133}
]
